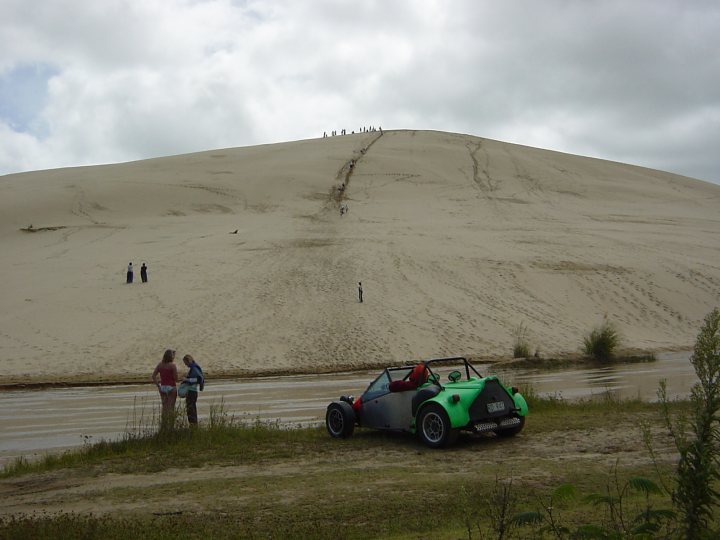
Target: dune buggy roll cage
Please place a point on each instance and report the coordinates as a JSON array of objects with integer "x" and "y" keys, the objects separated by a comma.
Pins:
[{"x": 435, "y": 378}]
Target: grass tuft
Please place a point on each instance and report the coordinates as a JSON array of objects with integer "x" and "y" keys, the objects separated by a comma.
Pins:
[
  {"x": 602, "y": 342},
  {"x": 521, "y": 346}
]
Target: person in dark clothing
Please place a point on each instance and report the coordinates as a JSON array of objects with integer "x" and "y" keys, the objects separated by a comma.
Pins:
[
  {"x": 130, "y": 273},
  {"x": 143, "y": 273},
  {"x": 195, "y": 380},
  {"x": 360, "y": 292}
]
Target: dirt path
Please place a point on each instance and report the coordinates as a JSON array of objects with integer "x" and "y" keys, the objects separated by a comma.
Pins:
[{"x": 533, "y": 458}]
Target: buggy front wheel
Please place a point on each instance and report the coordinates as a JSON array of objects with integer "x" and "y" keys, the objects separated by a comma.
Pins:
[{"x": 340, "y": 420}]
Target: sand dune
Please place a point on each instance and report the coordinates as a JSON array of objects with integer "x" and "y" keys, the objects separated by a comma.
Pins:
[{"x": 457, "y": 241}]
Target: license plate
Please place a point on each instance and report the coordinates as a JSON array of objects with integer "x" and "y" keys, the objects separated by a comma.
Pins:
[{"x": 496, "y": 406}]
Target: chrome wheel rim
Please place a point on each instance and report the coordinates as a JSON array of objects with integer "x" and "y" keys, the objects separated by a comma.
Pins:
[
  {"x": 433, "y": 427},
  {"x": 335, "y": 421}
]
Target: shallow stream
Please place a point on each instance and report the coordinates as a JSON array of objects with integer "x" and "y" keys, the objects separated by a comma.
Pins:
[{"x": 33, "y": 422}]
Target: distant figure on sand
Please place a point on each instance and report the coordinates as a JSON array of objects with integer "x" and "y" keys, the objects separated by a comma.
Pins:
[
  {"x": 143, "y": 273},
  {"x": 166, "y": 372},
  {"x": 130, "y": 273},
  {"x": 195, "y": 380},
  {"x": 360, "y": 292}
]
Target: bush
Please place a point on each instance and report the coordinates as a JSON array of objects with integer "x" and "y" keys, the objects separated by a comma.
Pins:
[
  {"x": 521, "y": 347},
  {"x": 602, "y": 342},
  {"x": 697, "y": 438}
]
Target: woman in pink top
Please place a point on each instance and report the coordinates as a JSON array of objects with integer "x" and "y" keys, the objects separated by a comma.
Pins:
[{"x": 167, "y": 372}]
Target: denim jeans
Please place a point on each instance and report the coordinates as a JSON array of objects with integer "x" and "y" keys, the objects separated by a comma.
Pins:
[{"x": 191, "y": 405}]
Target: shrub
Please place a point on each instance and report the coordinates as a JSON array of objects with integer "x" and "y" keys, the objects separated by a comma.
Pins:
[
  {"x": 602, "y": 342},
  {"x": 697, "y": 438},
  {"x": 626, "y": 514},
  {"x": 521, "y": 347}
]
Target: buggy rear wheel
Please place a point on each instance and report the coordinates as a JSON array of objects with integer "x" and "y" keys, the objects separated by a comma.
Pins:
[
  {"x": 434, "y": 428},
  {"x": 340, "y": 420}
]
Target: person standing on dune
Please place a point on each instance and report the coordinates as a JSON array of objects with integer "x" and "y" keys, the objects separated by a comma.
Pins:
[
  {"x": 143, "y": 273},
  {"x": 130, "y": 273},
  {"x": 360, "y": 292}
]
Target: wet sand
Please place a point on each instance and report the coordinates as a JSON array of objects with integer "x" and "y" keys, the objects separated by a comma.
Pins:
[{"x": 34, "y": 422}]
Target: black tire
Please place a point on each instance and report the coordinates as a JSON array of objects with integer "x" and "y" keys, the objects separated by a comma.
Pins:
[
  {"x": 340, "y": 419},
  {"x": 511, "y": 432},
  {"x": 433, "y": 426}
]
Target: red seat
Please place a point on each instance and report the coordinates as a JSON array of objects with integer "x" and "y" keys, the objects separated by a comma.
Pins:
[{"x": 417, "y": 377}]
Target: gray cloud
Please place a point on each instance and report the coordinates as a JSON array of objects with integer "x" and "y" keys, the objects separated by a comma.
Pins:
[{"x": 628, "y": 81}]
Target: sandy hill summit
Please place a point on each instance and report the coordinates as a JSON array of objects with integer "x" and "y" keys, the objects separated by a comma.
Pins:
[{"x": 457, "y": 240}]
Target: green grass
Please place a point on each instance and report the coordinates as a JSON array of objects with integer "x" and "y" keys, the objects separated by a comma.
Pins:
[
  {"x": 602, "y": 403},
  {"x": 368, "y": 486},
  {"x": 368, "y": 504},
  {"x": 227, "y": 440},
  {"x": 230, "y": 444}
]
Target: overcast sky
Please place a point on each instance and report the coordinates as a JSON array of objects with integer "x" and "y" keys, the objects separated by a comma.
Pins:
[{"x": 87, "y": 82}]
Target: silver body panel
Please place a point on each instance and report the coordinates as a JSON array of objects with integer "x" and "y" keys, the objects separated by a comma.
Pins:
[{"x": 389, "y": 411}]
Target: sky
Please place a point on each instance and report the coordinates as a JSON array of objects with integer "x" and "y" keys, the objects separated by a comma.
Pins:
[{"x": 87, "y": 82}]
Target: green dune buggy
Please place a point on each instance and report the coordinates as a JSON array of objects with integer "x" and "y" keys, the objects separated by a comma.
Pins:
[{"x": 435, "y": 399}]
